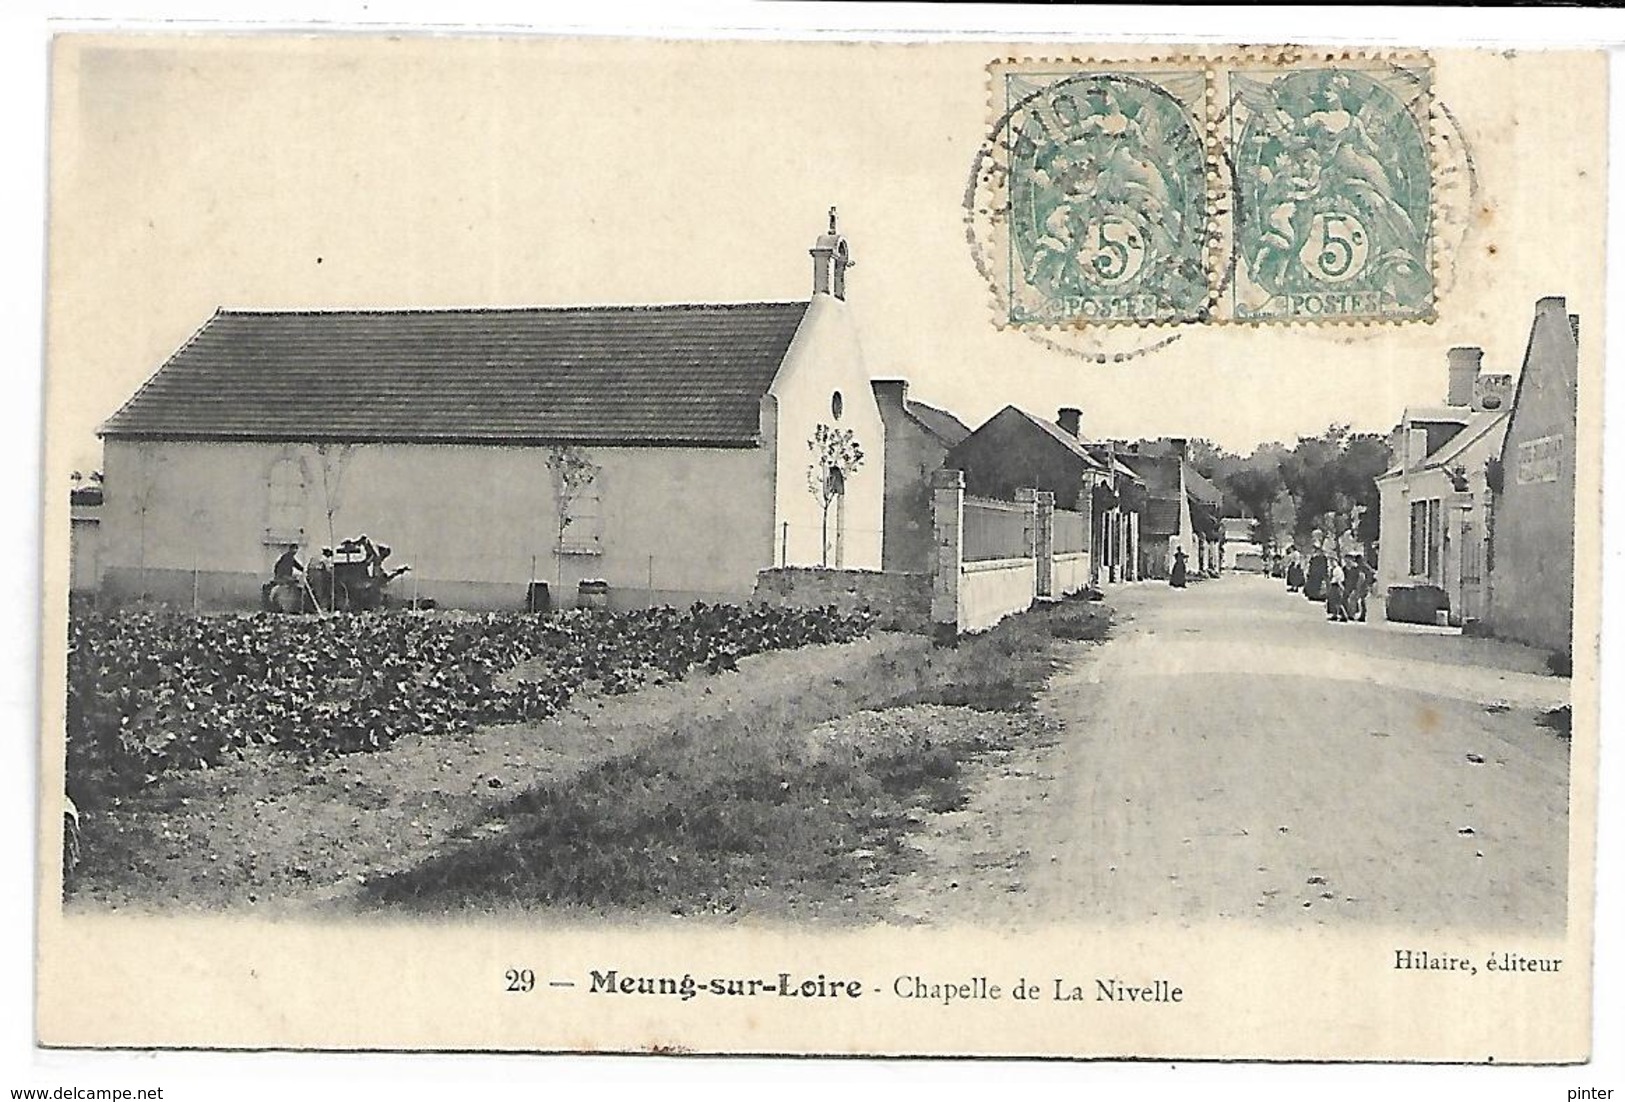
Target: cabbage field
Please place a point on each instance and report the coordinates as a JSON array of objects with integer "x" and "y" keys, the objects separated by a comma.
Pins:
[{"x": 151, "y": 692}]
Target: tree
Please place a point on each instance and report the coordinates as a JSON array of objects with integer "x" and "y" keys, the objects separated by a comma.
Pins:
[
  {"x": 1332, "y": 480},
  {"x": 335, "y": 460},
  {"x": 1255, "y": 485},
  {"x": 572, "y": 473},
  {"x": 836, "y": 456}
]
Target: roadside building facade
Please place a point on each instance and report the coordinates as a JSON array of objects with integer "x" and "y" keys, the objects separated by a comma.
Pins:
[
  {"x": 1531, "y": 559},
  {"x": 85, "y": 539},
  {"x": 918, "y": 438},
  {"x": 1017, "y": 452},
  {"x": 1181, "y": 511},
  {"x": 670, "y": 451},
  {"x": 1435, "y": 500},
  {"x": 1119, "y": 510},
  {"x": 1239, "y": 551}
]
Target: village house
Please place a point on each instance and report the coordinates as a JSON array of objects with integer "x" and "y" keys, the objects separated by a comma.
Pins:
[
  {"x": 84, "y": 538},
  {"x": 918, "y": 438},
  {"x": 671, "y": 452},
  {"x": 1435, "y": 499},
  {"x": 1181, "y": 511},
  {"x": 1531, "y": 550},
  {"x": 1015, "y": 452},
  {"x": 1015, "y": 449},
  {"x": 1240, "y": 551},
  {"x": 1118, "y": 509}
]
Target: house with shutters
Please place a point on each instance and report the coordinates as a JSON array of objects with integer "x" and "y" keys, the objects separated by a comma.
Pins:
[
  {"x": 1435, "y": 499},
  {"x": 670, "y": 451}
]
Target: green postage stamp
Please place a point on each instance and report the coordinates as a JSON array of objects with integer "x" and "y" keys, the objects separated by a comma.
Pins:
[
  {"x": 1332, "y": 192},
  {"x": 1284, "y": 189},
  {"x": 1109, "y": 218}
]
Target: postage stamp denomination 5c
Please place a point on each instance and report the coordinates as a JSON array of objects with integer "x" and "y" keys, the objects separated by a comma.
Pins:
[
  {"x": 1331, "y": 211},
  {"x": 1103, "y": 205}
]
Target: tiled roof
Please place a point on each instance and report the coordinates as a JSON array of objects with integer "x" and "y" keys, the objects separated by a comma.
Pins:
[
  {"x": 1062, "y": 437},
  {"x": 1160, "y": 473},
  {"x": 1104, "y": 457},
  {"x": 595, "y": 374},
  {"x": 1201, "y": 488},
  {"x": 938, "y": 422},
  {"x": 1481, "y": 423},
  {"x": 1161, "y": 517}
]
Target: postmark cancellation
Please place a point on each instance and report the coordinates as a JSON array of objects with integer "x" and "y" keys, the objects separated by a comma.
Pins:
[{"x": 1248, "y": 188}]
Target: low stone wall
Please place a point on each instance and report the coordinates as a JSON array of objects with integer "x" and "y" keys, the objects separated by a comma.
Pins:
[
  {"x": 990, "y": 591},
  {"x": 1071, "y": 573},
  {"x": 901, "y": 600}
]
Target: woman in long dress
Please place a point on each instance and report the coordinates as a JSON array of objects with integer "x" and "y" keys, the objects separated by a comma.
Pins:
[
  {"x": 1176, "y": 576},
  {"x": 1314, "y": 579},
  {"x": 1294, "y": 571}
]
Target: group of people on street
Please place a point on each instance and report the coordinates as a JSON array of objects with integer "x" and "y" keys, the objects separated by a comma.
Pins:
[{"x": 1342, "y": 580}]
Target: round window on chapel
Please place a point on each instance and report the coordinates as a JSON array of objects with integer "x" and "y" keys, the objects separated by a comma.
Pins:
[{"x": 836, "y": 405}]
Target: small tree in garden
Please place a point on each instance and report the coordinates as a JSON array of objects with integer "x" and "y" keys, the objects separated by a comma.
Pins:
[
  {"x": 836, "y": 456},
  {"x": 335, "y": 460},
  {"x": 572, "y": 473}
]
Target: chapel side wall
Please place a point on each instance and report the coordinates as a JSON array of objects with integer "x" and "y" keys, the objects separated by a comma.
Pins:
[{"x": 477, "y": 523}]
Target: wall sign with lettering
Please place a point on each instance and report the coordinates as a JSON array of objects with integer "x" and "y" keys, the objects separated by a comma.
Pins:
[{"x": 1540, "y": 459}]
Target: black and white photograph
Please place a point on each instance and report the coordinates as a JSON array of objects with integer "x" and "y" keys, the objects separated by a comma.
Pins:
[{"x": 953, "y": 548}]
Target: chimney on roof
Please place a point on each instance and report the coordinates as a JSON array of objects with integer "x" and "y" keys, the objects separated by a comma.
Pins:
[
  {"x": 1070, "y": 419},
  {"x": 1574, "y": 327},
  {"x": 1464, "y": 366},
  {"x": 831, "y": 259},
  {"x": 1180, "y": 446},
  {"x": 1492, "y": 392},
  {"x": 890, "y": 395}
]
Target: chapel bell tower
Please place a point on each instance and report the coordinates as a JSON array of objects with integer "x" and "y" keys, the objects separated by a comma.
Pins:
[{"x": 831, "y": 259}]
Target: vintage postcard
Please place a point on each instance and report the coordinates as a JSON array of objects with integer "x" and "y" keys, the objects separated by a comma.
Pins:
[{"x": 935, "y": 549}]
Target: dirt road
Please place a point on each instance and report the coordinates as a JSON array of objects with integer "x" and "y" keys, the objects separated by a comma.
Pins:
[{"x": 1228, "y": 753}]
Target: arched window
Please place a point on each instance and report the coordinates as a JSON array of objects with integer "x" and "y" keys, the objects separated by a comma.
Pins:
[{"x": 286, "y": 489}]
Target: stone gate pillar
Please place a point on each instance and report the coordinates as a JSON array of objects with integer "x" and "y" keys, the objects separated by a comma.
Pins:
[
  {"x": 1043, "y": 542},
  {"x": 948, "y": 539}
]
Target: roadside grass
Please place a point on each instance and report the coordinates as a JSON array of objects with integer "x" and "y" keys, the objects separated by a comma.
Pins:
[{"x": 751, "y": 810}]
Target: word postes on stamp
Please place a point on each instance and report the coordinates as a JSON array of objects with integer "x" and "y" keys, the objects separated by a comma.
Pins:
[
  {"x": 1332, "y": 204},
  {"x": 1106, "y": 201}
]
